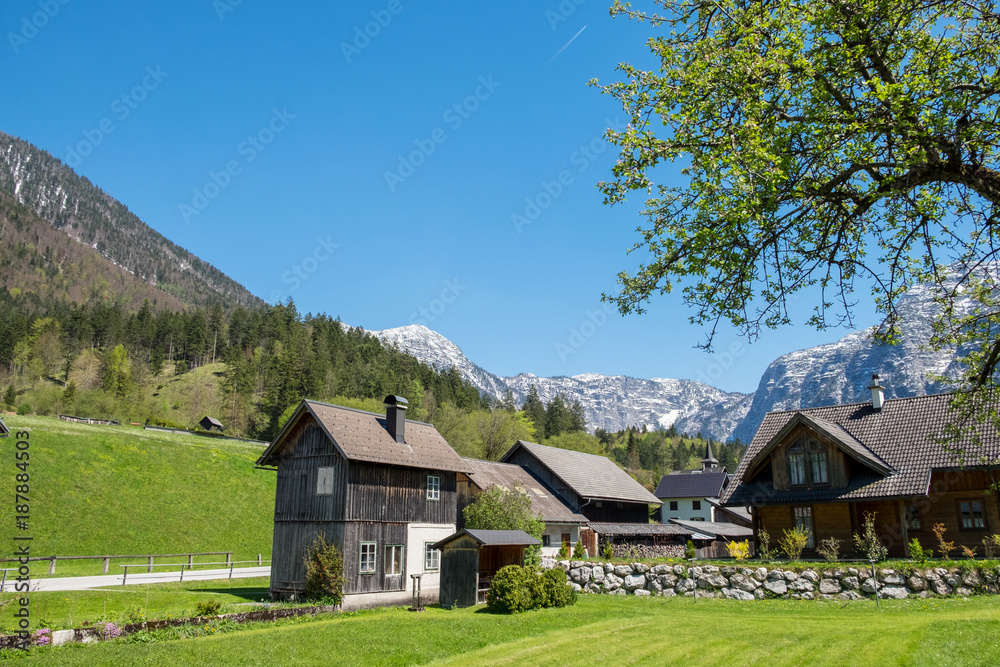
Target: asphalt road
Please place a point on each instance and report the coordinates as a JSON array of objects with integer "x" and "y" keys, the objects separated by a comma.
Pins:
[{"x": 136, "y": 576}]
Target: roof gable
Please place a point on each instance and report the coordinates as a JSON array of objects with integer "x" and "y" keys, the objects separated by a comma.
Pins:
[
  {"x": 589, "y": 475},
  {"x": 544, "y": 501},
  {"x": 362, "y": 436},
  {"x": 490, "y": 538},
  {"x": 901, "y": 437}
]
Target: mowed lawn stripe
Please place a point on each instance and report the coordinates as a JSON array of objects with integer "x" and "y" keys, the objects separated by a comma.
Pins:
[{"x": 599, "y": 629}]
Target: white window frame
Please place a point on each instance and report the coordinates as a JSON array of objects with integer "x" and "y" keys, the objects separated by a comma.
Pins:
[
  {"x": 372, "y": 555},
  {"x": 803, "y": 517},
  {"x": 431, "y": 556},
  {"x": 433, "y": 487},
  {"x": 324, "y": 481},
  {"x": 391, "y": 560}
]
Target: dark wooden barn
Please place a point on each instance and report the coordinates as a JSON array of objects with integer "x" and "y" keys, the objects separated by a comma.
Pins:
[
  {"x": 470, "y": 558},
  {"x": 379, "y": 487},
  {"x": 211, "y": 424}
]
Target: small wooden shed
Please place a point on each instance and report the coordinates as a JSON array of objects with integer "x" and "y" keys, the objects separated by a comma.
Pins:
[
  {"x": 211, "y": 424},
  {"x": 471, "y": 557}
]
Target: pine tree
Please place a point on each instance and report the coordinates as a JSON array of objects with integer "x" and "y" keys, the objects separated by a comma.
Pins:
[{"x": 534, "y": 410}]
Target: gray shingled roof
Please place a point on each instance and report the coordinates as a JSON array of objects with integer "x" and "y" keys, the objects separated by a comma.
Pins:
[
  {"x": 693, "y": 485},
  {"x": 730, "y": 531},
  {"x": 543, "y": 500},
  {"x": 901, "y": 435},
  {"x": 489, "y": 538},
  {"x": 591, "y": 476},
  {"x": 741, "y": 512},
  {"x": 639, "y": 529},
  {"x": 362, "y": 436}
]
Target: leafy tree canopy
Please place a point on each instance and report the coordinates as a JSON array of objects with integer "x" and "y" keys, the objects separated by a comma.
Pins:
[{"x": 828, "y": 145}]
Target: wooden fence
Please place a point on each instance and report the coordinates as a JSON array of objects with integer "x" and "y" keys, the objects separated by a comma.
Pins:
[{"x": 107, "y": 559}]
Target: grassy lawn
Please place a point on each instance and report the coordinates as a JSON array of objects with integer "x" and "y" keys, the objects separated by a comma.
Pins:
[
  {"x": 128, "y": 604},
  {"x": 598, "y": 630},
  {"x": 98, "y": 490}
]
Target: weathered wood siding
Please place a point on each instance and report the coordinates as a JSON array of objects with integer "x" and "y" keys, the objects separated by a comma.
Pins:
[
  {"x": 610, "y": 512},
  {"x": 288, "y": 572},
  {"x": 459, "y": 574},
  {"x": 947, "y": 489},
  {"x": 525, "y": 459},
  {"x": 397, "y": 494},
  {"x": 466, "y": 492},
  {"x": 382, "y": 534}
]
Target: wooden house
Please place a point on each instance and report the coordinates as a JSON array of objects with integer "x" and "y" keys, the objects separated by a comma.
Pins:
[
  {"x": 590, "y": 485},
  {"x": 822, "y": 469},
  {"x": 470, "y": 558},
  {"x": 211, "y": 424},
  {"x": 562, "y": 524},
  {"x": 380, "y": 487}
]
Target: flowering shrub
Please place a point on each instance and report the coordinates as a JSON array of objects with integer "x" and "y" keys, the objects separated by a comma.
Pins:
[
  {"x": 42, "y": 637},
  {"x": 739, "y": 550},
  {"x": 111, "y": 631}
]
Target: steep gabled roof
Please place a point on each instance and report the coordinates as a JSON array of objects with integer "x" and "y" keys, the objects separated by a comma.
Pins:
[
  {"x": 543, "y": 500},
  {"x": 490, "y": 538},
  {"x": 362, "y": 436},
  {"x": 694, "y": 485},
  {"x": 895, "y": 445},
  {"x": 589, "y": 475}
]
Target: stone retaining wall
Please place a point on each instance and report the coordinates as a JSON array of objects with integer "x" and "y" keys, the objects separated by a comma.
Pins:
[{"x": 749, "y": 583}]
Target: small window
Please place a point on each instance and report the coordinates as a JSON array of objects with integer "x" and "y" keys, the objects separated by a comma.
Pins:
[
  {"x": 697, "y": 518},
  {"x": 366, "y": 563},
  {"x": 546, "y": 540},
  {"x": 913, "y": 517},
  {"x": 971, "y": 512},
  {"x": 804, "y": 521},
  {"x": 817, "y": 457},
  {"x": 393, "y": 559},
  {"x": 324, "y": 481},
  {"x": 696, "y": 504},
  {"x": 432, "y": 558},
  {"x": 673, "y": 505},
  {"x": 796, "y": 465},
  {"x": 433, "y": 487}
]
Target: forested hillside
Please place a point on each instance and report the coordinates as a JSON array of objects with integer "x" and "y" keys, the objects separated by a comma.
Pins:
[{"x": 82, "y": 211}]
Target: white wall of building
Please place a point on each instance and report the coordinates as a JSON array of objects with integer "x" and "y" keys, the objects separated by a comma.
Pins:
[
  {"x": 554, "y": 532},
  {"x": 685, "y": 510}
]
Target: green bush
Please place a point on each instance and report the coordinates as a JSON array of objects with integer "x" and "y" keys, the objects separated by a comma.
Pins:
[
  {"x": 794, "y": 541},
  {"x": 608, "y": 551},
  {"x": 578, "y": 551},
  {"x": 917, "y": 552},
  {"x": 209, "y": 608},
  {"x": 516, "y": 589},
  {"x": 563, "y": 553},
  {"x": 324, "y": 571},
  {"x": 512, "y": 590},
  {"x": 689, "y": 550}
]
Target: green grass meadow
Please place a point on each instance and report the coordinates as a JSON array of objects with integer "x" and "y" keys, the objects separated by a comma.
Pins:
[
  {"x": 598, "y": 630},
  {"x": 104, "y": 490}
]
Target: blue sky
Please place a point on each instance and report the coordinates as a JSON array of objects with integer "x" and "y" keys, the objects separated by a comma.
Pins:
[{"x": 367, "y": 160}]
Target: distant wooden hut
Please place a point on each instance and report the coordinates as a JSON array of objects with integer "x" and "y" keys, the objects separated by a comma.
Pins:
[
  {"x": 4, "y": 431},
  {"x": 211, "y": 424},
  {"x": 470, "y": 558}
]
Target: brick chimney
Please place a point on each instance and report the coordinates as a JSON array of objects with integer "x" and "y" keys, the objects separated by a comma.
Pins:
[
  {"x": 395, "y": 417},
  {"x": 878, "y": 393}
]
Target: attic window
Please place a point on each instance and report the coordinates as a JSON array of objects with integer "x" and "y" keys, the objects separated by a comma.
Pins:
[
  {"x": 433, "y": 487},
  {"x": 808, "y": 463},
  {"x": 324, "y": 481}
]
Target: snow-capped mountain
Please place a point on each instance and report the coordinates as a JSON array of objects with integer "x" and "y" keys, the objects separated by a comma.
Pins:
[
  {"x": 611, "y": 402},
  {"x": 824, "y": 375},
  {"x": 841, "y": 372}
]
